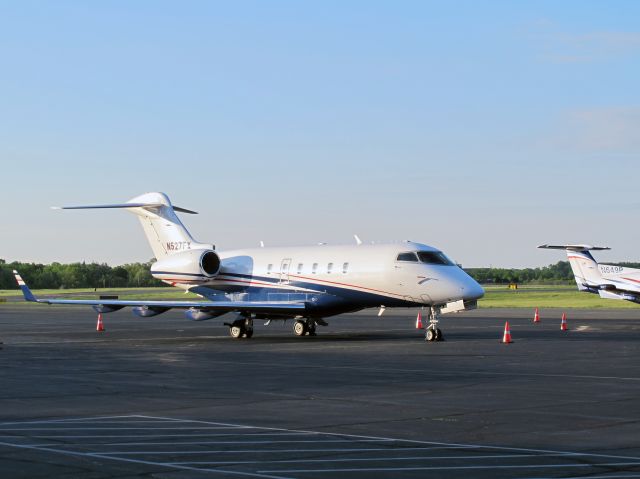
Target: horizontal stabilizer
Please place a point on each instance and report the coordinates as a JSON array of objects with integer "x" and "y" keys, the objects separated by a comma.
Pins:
[
  {"x": 124, "y": 205},
  {"x": 574, "y": 247}
]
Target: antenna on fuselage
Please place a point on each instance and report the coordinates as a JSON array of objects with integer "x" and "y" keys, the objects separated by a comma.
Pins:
[{"x": 358, "y": 240}]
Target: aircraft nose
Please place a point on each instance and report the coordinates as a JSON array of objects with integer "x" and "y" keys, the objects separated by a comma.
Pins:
[{"x": 472, "y": 290}]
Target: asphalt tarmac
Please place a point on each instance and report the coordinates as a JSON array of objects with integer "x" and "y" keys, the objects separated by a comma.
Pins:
[{"x": 366, "y": 398}]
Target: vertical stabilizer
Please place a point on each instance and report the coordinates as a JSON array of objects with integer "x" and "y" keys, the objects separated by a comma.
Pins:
[
  {"x": 164, "y": 231},
  {"x": 584, "y": 266}
]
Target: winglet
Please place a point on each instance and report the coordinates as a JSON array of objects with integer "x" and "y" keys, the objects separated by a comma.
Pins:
[{"x": 28, "y": 295}]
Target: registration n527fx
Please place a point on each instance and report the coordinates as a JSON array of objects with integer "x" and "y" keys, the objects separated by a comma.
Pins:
[{"x": 306, "y": 284}]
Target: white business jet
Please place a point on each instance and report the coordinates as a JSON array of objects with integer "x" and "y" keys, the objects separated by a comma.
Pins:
[{"x": 306, "y": 284}]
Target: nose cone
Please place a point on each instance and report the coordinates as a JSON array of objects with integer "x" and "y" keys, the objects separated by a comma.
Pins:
[
  {"x": 472, "y": 290},
  {"x": 453, "y": 284}
]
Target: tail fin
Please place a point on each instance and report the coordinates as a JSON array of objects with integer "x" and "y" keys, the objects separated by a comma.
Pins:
[
  {"x": 165, "y": 232},
  {"x": 584, "y": 266}
]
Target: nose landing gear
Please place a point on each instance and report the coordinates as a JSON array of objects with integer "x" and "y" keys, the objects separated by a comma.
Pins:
[{"x": 433, "y": 333}]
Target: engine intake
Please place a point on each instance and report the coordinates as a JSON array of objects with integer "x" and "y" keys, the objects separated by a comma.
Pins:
[{"x": 191, "y": 264}]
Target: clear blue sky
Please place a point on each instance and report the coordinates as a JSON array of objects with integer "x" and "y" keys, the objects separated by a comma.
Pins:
[{"x": 482, "y": 128}]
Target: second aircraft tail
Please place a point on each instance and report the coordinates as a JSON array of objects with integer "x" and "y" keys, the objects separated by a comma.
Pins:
[{"x": 584, "y": 266}]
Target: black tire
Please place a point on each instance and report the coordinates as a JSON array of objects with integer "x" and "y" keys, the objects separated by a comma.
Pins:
[
  {"x": 439, "y": 336},
  {"x": 236, "y": 331},
  {"x": 300, "y": 328},
  {"x": 248, "y": 333}
]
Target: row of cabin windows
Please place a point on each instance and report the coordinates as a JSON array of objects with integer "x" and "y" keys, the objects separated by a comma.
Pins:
[{"x": 314, "y": 268}]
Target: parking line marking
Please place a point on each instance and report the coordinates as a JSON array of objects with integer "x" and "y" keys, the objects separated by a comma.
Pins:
[
  {"x": 148, "y": 463},
  {"x": 195, "y": 443},
  {"x": 434, "y": 443},
  {"x": 378, "y": 458},
  {"x": 256, "y": 451},
  {"x": 452, "y": 468}
]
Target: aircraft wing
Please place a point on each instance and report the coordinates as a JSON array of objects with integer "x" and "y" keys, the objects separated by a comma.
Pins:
[{"x": 272, "y": 307}]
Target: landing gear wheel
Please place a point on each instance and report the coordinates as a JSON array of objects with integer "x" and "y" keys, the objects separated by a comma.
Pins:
[
  {"x": 300, "y": 328},
  {"x": 430, "y": 335},
  {"x": 248, "y": 333},
  {"x": 235, "y": 331}
]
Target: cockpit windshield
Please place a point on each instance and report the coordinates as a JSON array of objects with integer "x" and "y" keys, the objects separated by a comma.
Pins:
[{"x": 434, "y": 257}]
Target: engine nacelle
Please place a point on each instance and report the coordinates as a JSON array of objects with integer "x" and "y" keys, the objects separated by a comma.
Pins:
[
  {"x": 196, "y": 264},
  {"x": 195, "y": 314},
  {"x": 147, "y": 311}
]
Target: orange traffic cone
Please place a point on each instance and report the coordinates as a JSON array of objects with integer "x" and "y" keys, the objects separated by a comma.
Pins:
[
  {"x": 563, "y": 324},
  {"x": 419, "y": 321},
  {"x": 100, "y": 326},
  {"x": 506, "y": 338},
  {"x": 536, "y": 316}
]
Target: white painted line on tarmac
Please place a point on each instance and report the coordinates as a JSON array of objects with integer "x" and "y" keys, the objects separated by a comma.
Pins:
[
  {"x": 111, "y": 436},
  {"x": 196, "y": 443},
  {"x": 89, "y": 428},
  {"x": 434, "y": 443},
  {"x": 377, "y": 458},
  {"x": 256, "y": 451},
  {"x": 452, "y": 468},
  {"x": 624, "y": 476},
  {"x": 85, "y": 419},
  {"x": 147, "y": 463}
]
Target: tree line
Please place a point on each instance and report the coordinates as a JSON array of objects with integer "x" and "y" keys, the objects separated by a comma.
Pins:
[
  {"x": 77, "y": 275},
  {"x": 554, "y": 273},
  {"x": 94, "y": 275}
]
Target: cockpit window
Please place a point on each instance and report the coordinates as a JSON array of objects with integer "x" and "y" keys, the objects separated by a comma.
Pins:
[
  {"x": 407, "y": 257},
  {"x": 434, "y": 257}
]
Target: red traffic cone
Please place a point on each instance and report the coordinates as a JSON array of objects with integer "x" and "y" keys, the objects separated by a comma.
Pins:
[
  {"x": 563, "y": 324},
  {"x": 419, "y": 321},
  {"x": 100, "y": 326},
  {"x": 536, "y": 316},
  {"x": 506, "y": 338}
]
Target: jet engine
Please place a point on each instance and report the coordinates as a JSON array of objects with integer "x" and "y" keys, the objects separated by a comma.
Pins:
[{"x": 190, "y": 264}]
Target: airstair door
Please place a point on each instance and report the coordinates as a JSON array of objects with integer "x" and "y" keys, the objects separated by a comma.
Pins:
[{"x": 284, "y": 270}]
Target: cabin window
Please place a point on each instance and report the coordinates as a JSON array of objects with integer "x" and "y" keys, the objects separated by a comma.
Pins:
[
  {"x": 314, "y": 270},
  {"x": 407, "y": 257},
  {"x": 329, "y": 268},
  {"x": 269, "y": 268},
  {"x": 434, "y": 257},
  {"x": 300, "y": 265},
  {"x": 345, "y": 268}
]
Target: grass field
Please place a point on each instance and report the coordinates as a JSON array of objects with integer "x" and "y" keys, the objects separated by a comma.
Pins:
[
  {"x": 547, "y": 296},
  {"x": 529, "y": 296}
]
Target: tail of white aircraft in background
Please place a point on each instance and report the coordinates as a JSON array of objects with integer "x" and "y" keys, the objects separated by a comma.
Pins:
[{"x": 608, "y": 281}]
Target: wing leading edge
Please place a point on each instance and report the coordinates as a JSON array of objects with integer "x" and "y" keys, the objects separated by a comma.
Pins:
[{"x": 271, "y": 307}]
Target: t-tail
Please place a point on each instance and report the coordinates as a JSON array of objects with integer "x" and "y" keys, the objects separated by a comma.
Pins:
[
  {"x": 585, "y": 268},
  {"x": 164, "y": 231},
  {"x": 182, "y": 261}
]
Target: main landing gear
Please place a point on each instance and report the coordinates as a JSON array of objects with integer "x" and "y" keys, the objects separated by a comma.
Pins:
[
  {"x": 241, "y": 328},
  {"x": 433, "y": 333},
  {"x": 306, "y": 327}
]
